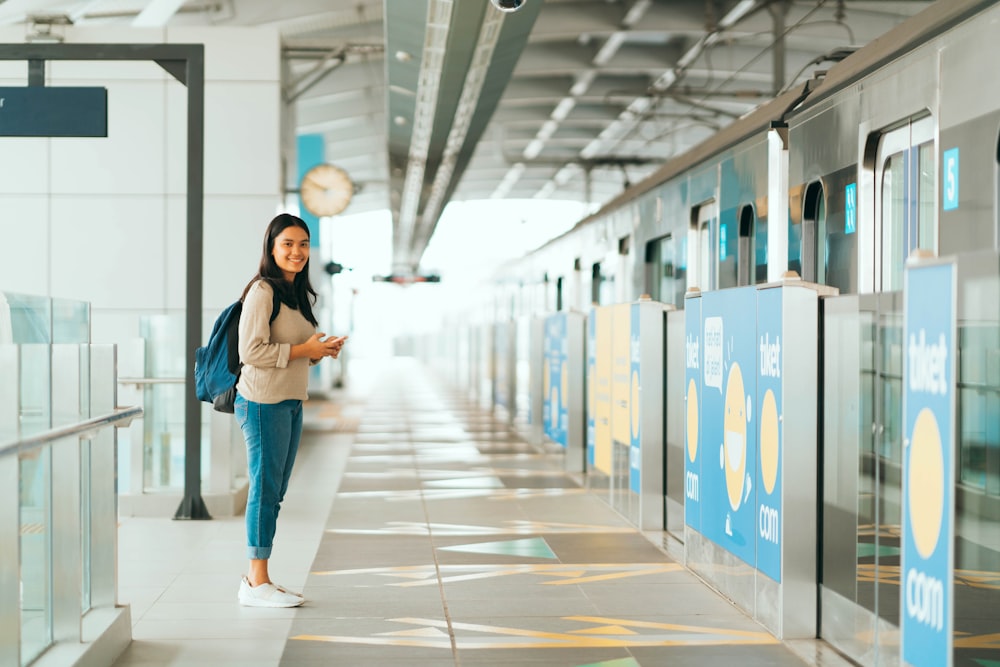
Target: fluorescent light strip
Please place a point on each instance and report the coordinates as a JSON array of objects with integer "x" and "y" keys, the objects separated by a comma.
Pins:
[
  {"x": 489, "y": 34},
  {"x": 439, "y": 14}
]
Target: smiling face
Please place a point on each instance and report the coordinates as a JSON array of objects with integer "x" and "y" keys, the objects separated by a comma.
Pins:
[
  {"x": 735, "y": 436},
  {"x": 291, "y": 251}
]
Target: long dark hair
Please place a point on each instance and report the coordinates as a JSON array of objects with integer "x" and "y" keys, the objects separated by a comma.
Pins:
[{"x": 297, "y": 294}]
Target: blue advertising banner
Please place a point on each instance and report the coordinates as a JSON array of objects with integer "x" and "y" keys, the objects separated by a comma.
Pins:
[
  {"x": 927, "y": 562},
  {"x": 728, "y": 511},
  {"x": 591, "y": 385},
  {"x": 556, "y": 354},
  {"x": 501, "y": 349},
  {"x": 769, "y": 431},
  {"x": 635, "y": 435},
  {"x": 692, "y": 413}
]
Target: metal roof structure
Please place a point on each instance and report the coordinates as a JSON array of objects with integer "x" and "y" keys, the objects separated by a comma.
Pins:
[{"x": 423, "y": 102}]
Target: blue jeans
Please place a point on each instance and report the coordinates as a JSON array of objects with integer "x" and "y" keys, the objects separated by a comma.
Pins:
[{"x": 272, "y": 433}]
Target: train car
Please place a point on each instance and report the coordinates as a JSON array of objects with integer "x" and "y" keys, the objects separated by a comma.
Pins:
[{"x": 841, "y": 179}]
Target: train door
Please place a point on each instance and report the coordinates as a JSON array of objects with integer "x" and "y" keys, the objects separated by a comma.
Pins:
[
  {"x": 906, "y": 215},
  {"x": 702, "y": 244}
]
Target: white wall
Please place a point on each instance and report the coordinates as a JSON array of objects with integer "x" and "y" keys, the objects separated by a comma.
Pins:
[{"x": 103, "y": 219}]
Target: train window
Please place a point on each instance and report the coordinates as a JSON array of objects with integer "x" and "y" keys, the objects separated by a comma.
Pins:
[
  {"x": 665, "y": 270},
  {"x": 595, "y": 283},
  {"x": 703, "y": 241},
  {"x": 746, "y": 250},
  {"x": 813, "y": 248},
  {"x": 906, "y": 194}
]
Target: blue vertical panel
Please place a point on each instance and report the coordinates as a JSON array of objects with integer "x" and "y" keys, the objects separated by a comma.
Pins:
[
  {"x": 635, "y": 434},
  {"x": 591, "y": 384},
  {"x": 311, "y": 149},
  {"x": 692, "y": 414},
  {"x": 851, "y": 208},
  {"x": 555, "y": 409},
  {"x": 949, "y": 179},
  {"x": 768, "y": 426},
  {"x": 927, "y": 564},
  {"x": 729, "y": 343}
]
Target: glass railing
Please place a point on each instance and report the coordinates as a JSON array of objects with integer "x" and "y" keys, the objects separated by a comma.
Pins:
[
  {"x": 152, "y": 453},
  {"x": 58, "y": 506}
]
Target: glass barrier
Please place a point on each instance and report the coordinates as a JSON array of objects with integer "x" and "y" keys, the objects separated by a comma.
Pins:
[
  {"x": 977, "y": 511},
  {"x": 862, "y": 468}
]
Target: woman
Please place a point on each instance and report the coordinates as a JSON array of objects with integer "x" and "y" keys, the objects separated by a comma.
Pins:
[{"x": 276, "y": 356}]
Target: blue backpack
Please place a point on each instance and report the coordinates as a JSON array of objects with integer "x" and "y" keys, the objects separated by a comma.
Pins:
[{"x": 217, "y": 365}]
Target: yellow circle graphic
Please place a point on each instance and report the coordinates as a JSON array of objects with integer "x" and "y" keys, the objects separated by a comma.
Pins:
[
  {"x": 925, "y": 483},
  {"x": 735, "y": 433},
  {"x": 635, "y": 405},
  {"x": 692, "y": 421},
  {"x": 769, "y": 441},
  {"x": 564, "y": 389}
]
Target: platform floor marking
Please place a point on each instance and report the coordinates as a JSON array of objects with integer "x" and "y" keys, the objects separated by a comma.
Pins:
[
  {"x": 466, "y": 483},
  {"x": 553, "y": 574},
  {"x": 533, "y": 547},
  {"x": 605, "y": 630},
  {"x": 475, "y": 636},
  {"x": 408, "y": 495},
  {"x": 462, "y": 530},
  {"x": 621, "y": 662}
]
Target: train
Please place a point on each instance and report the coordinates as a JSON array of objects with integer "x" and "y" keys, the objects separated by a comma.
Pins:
[{"x": 835, "y": 184}]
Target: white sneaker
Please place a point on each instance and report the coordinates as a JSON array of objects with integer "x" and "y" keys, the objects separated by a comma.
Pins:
[{"x": 266, "y": 595}]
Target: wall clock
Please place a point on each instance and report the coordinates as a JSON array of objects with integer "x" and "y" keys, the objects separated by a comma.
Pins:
[{"x": 326, "y": 190}]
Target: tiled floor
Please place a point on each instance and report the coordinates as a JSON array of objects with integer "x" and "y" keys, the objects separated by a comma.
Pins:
[{"x": 431, "y": 536}]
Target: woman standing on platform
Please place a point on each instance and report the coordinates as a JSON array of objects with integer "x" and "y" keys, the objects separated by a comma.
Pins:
[{"x": 276, "y": 353}]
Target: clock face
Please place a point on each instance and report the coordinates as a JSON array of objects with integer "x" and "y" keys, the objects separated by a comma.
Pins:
[{"x": 326, "y": 190}]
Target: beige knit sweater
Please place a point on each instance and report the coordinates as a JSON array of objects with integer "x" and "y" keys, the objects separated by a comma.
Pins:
[{"x": 268, "y": 376}]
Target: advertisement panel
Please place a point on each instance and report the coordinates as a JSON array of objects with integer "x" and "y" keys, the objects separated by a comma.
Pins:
[
  {"x": 500, "y": 352},
  {"x": 602, "y": 392},
  {"x": 591, "y": 385},
  {"x": 692, "y": 414},
  {"x": 554, "y": 379},
  {"x": 728, "y": 515},
  {"x": 635, "y": 434},
  {"x": 770, "y": 435},
  {"x": 621, "y": 386},
  {"x": 927, "y": 562}
]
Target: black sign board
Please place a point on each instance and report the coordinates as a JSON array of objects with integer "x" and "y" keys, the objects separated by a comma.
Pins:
[{"x": 42, "y": 111}]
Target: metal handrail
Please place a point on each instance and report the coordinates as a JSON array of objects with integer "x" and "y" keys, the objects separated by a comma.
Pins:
[
  {"x": 81, "y": 429},
  {"x": 142, "y": 381}
]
